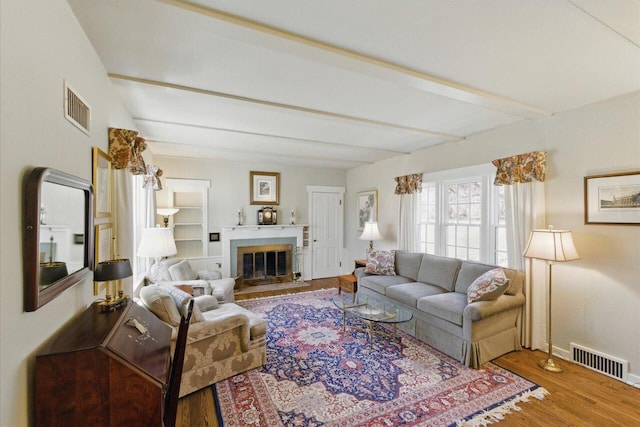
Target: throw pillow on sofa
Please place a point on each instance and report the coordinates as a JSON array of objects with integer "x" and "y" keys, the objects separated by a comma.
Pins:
[
  {"x": 488, "y": 286},
  {"x": 182, "y": 271},
  {"x": 380, "y": 262}
]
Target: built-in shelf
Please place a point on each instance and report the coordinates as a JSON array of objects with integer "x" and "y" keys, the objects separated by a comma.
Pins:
[{"x": 190, "y": 229}]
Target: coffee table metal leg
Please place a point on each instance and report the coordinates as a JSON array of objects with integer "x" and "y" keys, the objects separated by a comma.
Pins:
[
  {"x": 370, "y": 335},
  {"x": 344, "y": 320}
]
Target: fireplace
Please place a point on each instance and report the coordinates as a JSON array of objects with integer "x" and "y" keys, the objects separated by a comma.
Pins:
[{"x": 264, "y": 264}]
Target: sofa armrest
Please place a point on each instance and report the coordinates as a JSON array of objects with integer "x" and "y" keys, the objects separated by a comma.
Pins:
[
  {"x": 359, "y": 272},
  {"x": 482, "y": 309},
  {"x": 213, "y": 327}
]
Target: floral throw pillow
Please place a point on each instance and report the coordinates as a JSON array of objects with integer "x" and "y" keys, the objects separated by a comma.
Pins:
[
  {"x": 380, "y": 262},
  {"x": 488, "y": 287}
]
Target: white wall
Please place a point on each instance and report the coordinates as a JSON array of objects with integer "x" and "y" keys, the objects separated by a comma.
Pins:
[
  {"x": 596, "y": 299},
  {"x": 229, "y": 189},
  {"x": 41, "y": 43}
]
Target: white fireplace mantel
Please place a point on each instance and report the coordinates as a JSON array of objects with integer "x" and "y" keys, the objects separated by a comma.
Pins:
[{"x": 239, "y": 232}]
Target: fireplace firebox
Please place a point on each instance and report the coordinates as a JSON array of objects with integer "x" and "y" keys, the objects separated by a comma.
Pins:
[{"x": 264, "y": 264}]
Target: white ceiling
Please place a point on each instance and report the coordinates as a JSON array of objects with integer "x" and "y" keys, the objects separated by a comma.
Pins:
[{"x": 339, "y": 84}]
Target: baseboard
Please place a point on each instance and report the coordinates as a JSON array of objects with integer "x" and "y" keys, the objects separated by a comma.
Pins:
[{"x": 633, "y": 380}]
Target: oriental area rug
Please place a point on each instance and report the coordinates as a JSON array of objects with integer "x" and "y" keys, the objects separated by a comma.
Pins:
[{"x": 317, "y": 375}]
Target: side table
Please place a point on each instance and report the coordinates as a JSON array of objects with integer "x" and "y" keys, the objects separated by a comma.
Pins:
[{"x": 348, "y": 283}]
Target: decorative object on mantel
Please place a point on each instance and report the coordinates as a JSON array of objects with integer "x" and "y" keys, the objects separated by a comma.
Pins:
[
  {"x": 239, "y": 217},
  {"x": 371, "y": 233},
  {"x": 267, "y": 216},
  {"x": 551, "y": 246},
  {"x": 367, "y": 208},
  {"x": 292, "y": 217},
  {"x": 113, "y": 271},
  {"x": 166, "y": 213},
  {"x": 612, "y": 199},
  {"x": 264, "y": 188}
]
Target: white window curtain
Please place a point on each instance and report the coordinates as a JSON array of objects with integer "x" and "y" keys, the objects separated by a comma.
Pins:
[
  {"x": 408, "y": 187},
  {"x": 525, "y": 211},
  {"x": 408, "y": 223},
  {"x": 523, "y": 176},
  {"x": 144, "y": 213}
]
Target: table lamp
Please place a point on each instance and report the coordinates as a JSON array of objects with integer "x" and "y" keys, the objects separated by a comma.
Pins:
[
  {"x": 109, "y": 271},
  {"x": 551, "y": 246},
  {"x": 166, "y": 213},
  {"x": 371, "y": 233},
  {"x": 157, "y": 243}
]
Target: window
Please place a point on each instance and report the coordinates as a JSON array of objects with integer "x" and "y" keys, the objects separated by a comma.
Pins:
[{"x": 463, "y": 218}]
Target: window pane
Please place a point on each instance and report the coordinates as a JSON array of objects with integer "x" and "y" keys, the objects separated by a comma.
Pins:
[
  {"x": 431, "y": 249},
  {"x": 463, "y": 193},
  {"x": 474, "y": 255},
  {"x": 463, "y": 213},
  {"x": 431, "y": 213},
  {"x": 476, "y": 192},
  {"x": 502, "y": 259},
  {"x": 453, "y": 213},
  {"x": 451, "y": 251},
  {"x": 431, "y": 233},
  {"x": 461, "y": 253},
  {"x": 474, "y": 237},
  {"x": 451, "y": 234},
  {"x": 461, "y": 238},
  {"x": 476, "y": 213},
  {"x": 452, "y": 190},
  {"x": 501, "y": 239}
]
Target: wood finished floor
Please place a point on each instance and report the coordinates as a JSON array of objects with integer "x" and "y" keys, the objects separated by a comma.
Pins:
[{"x": 578, "y": 396}]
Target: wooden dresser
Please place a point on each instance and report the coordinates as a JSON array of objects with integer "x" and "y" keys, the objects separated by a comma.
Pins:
[{"x": 101, "y": 370}]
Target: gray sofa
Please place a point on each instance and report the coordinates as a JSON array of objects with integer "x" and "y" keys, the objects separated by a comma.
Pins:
[{"x": 434, "y": 289}]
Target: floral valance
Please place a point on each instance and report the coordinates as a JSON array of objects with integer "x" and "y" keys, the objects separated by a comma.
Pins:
[
  {"x": 125, "y": 149},
  {"x": 152, "y": 178},
  {"x": 408, "y": 184},
  {"x": 525, "y": 167}
]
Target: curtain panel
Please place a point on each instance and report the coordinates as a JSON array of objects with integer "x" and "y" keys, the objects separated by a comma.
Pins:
[
  {"x": 527, "y": 167},
  {"x": 408, "y": 184},
  {"x": 408, "y": 187}
]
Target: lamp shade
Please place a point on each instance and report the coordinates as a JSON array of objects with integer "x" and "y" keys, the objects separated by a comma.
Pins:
[
  {"x": 167, "y": 211},
  {"x": 157, "y": 242},
  {"x": 551, "y": 245},
  {"x": 371, "y": 232},
  {"x": 114, "y": 269}
]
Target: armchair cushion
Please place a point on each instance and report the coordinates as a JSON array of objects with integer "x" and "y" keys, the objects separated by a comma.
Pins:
[
  {"x": 209, "y": 275},
  {"x": 182, "y": 300},
  {"x": 182, "y": 271},
  {"x": 160, "y": 303},
  {"x": 160, "y": 270},
  {"x": 206, "y": 303}
]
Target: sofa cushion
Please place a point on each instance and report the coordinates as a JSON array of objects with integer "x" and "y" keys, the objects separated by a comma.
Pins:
[
  {"x": 469, "y": 272},
  {"x": 380, "y": 262},
  {"x": 209, "y": 275},
  {"x": 160, "y": 270},
  {"x": 488, "y": 286},
  {"x": 206, "y": 302},
  {"x": 381, "y": 283},
  {"x": 439, "y": 271},
  {"x": 182, "y": 300},
  {"x": 409, "y": 293},
  {"x": 448, "y": 306},
  {"x": 160, "y": 303},
  {"x": 408, "y": 264},
  {"x": 182, "y": 271}
]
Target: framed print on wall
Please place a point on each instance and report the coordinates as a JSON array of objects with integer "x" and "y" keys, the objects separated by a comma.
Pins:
[
  {"x": 612, "y": 199},
  {"x": 367, "y": 208},
  {"x": 104, "y": 234},
  {"x": 101, "y": 183},
  {"x": 265, "y": 188}
]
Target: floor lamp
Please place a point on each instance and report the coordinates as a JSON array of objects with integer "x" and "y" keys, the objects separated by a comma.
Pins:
[{"x": 550, "y": 246}]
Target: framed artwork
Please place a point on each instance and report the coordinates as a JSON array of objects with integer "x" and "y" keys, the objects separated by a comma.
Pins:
[
  {"x": 367, "y": 207},
  {"x": 101, "y": 183},
  {"x": 265, "y": 188},
  {"x": 104, "y": 234},
  {"x": 612, "y": 199}
]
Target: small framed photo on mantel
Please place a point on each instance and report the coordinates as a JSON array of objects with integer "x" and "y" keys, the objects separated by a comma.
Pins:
[
  {"x": 612, "y": 199},
  {"x": 264, "y": 188}
]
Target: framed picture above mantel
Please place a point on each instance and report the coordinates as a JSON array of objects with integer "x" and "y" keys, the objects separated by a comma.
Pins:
[
  {"x": 264, "y": 188},
  {"x": 612, "y": 199}
]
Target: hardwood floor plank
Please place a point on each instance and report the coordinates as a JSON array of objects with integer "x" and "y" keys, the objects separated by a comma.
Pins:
[{"x": 578, "y": 396}]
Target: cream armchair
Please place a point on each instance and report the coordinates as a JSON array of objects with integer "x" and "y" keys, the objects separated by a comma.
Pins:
[
  {"x": 176, "y": 271},
  {"x": 223, "y": 339}
]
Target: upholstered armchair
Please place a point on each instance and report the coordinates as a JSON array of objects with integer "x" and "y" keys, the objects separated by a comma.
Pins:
[
  {"x": 223, "y": 339},
  {"x": 176, "y": 271}
]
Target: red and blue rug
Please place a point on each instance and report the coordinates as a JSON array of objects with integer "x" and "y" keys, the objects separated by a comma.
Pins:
[{"x": 316, "y": 375}]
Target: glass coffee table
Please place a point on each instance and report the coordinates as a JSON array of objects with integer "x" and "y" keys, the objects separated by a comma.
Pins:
[{"x": 371, "y": 311}]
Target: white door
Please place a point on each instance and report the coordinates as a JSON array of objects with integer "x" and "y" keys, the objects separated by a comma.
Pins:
[{"x": 326, "y": 233}]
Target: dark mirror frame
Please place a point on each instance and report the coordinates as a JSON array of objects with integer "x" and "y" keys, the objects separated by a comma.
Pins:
[{"x": 34, "y": 298}]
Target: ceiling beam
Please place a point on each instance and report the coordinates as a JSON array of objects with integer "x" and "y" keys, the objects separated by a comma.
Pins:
[
  {"x": 267, "y": 135},
  {"x": 375, "y": 67},
  {"x": 281, "y": 105}
]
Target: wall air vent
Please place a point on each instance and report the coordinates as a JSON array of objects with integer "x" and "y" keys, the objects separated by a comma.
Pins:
[
  {"x": 76, "y": 109},
  {"x": 600, "y": 362}
]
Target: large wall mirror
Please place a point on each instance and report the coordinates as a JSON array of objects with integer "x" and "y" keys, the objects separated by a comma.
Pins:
[{"x": 58, "y": 234}]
